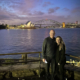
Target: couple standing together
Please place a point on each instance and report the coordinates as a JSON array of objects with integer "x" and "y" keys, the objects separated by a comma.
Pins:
[{"x": 53, "y": 51}]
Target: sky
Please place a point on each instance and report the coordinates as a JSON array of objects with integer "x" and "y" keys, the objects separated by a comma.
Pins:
[{"x": 15, "y": 12}]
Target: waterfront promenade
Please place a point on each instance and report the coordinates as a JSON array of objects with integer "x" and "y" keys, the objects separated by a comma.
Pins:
[{"x": 31, "y": 68}]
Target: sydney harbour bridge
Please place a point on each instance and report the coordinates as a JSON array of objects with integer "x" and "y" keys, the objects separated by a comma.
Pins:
[{"x": 47, "y": 23}]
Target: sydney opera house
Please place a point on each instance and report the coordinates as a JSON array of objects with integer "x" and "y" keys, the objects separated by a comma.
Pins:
[{"x": 28, "y": 25}]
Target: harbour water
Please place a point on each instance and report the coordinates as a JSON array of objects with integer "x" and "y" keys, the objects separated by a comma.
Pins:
[{"x": 31, "y": 40}]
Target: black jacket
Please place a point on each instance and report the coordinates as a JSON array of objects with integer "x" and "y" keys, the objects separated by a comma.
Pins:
[
  {"x": 49, "y": 47},
  {"x": 60, "y": 55}
]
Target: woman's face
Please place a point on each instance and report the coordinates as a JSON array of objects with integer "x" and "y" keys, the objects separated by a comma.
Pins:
[{"x": 58, "y": 40}]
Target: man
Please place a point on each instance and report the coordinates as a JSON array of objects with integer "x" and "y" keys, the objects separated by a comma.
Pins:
[{"x": 48, "y": 54}]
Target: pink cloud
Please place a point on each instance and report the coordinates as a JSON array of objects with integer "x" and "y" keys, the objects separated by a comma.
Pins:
[
  {"x": 20, "y": 6},
  {"x": 11, "y": 18},
  {"x": 34, "y": 18},
  {"x": 20, "y": 12}
]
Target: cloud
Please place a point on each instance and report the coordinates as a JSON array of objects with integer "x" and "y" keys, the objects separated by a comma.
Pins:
[
  {"x": 34, "y": 18},
  {"x": 46, "y": 4},
  {"x": 20, "y": 11},
  {"x": 52, "y": 10},
  {"x": 5, "y": 15},
  {"x": 9, "y": 18},
  {"x": 75, "y": 10},
  {"x": 38, "y": 13},
  {"x": 54, "y": 17},
  {"x": 19, "y": 6},
  {"x": 66, "y": 9},
  {"x": 56, "y": 8}
]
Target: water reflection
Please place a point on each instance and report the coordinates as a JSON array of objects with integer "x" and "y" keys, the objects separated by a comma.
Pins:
[
  {"x": 29, "y": 37},
  {"x": 29, "y": 34}
]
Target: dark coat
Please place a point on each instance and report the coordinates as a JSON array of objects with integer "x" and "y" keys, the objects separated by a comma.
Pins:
[
  {"x": 60, "y": 55},
  {"x": 49, "y": 47}
]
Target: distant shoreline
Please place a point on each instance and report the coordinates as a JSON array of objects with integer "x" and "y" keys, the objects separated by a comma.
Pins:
[{"x": 38, "y": 28}]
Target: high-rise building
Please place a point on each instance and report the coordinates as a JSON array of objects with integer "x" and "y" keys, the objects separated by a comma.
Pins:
[
  {"x": 76, "y": 22},
  {"x": 63, "y": 24}
]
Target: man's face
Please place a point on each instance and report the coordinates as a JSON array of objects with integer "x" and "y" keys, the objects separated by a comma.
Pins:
[{"x": 52, "y": 33}]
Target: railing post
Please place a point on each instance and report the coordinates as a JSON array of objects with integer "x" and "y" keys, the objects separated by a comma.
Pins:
[
  {"x": 24, "y": 57},
  {"x": 39, "y": 63}
]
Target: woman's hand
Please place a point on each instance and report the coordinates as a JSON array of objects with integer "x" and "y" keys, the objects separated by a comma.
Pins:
[{"x": 58, "y": 63}]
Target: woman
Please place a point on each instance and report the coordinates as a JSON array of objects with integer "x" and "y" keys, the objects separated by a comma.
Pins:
[{"x": 60, "y": 58}]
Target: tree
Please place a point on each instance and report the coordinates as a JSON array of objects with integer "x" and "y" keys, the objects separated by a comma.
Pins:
[{"x": 7, "y": 26}]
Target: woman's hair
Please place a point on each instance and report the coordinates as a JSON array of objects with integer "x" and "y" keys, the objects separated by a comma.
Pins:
[{"x": 61, "y": 43}]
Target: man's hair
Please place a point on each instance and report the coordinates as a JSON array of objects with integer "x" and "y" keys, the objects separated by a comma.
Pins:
[{"x": 53, "y": 30}]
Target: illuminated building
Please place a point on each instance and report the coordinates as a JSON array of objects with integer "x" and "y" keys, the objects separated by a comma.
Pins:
[
  {"x": 28, "y": 25},
  {"x": 63, "y": 24}
]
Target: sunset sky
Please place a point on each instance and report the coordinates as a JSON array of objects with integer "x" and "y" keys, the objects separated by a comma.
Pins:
[{"x": 21, "y": 11}]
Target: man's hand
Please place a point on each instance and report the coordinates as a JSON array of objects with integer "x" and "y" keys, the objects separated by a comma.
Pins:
[
  {"x": 58, "y": 63},
  {"x": 43, "y": 60}
]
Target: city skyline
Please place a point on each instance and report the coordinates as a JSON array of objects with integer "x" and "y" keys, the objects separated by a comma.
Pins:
[{"x": 21, "y": 11}]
